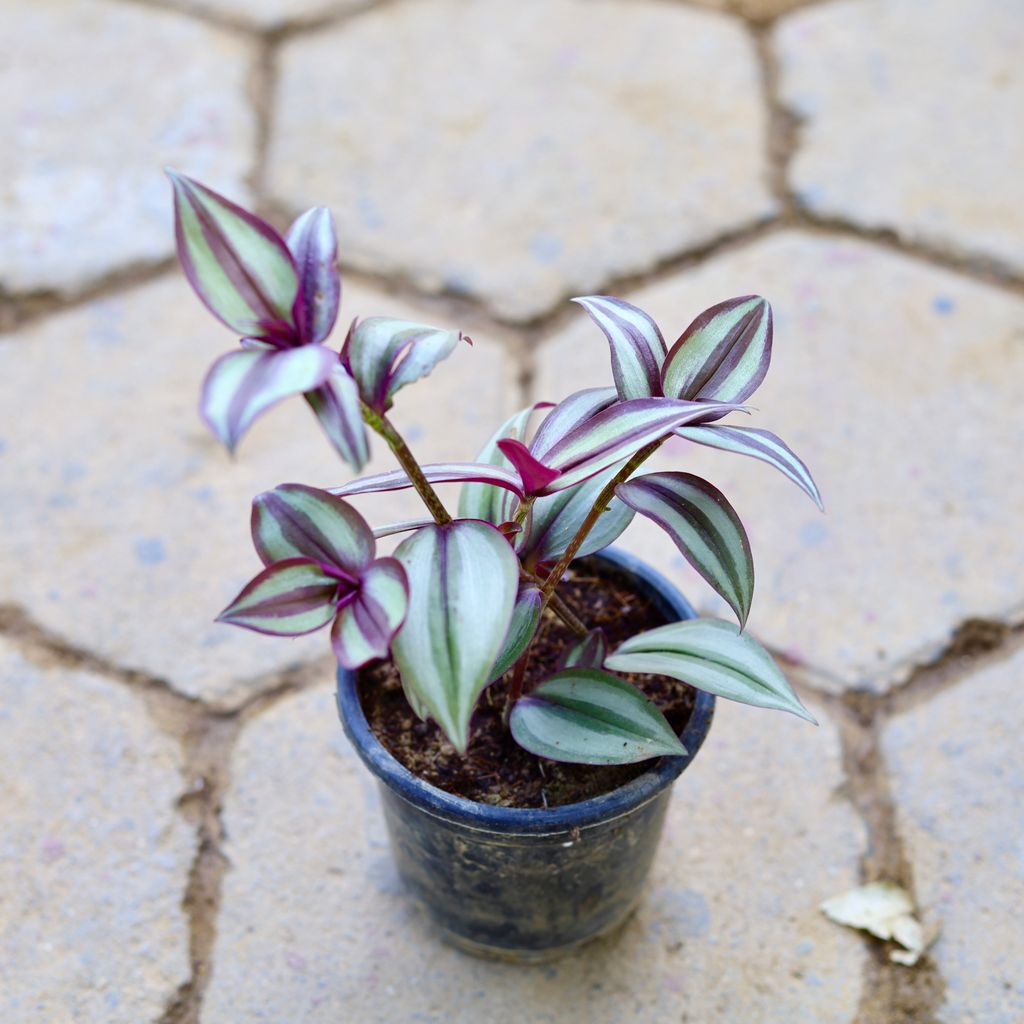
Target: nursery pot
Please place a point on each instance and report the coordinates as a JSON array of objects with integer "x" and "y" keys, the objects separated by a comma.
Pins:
[{"x": 529, "y": 884}]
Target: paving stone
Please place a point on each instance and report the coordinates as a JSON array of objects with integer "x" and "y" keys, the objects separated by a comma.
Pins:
[
  {"x": 94, "y": 858},
  {"x": 129, "y": 528},
  {"x": 523, "y": 150},
  {"x": 270, "y": 14},
  {"x": 756, "y": 10},
  {"x": 899, "y": 386},
  {"x": 97, "y": 98},
  {"x": 958, "y": 786},
  {"x": 910, "y": 112},
  {"x": 314, "y": 924}
]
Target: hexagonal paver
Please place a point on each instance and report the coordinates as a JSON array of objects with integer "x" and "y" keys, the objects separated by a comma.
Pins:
[
  {"x": 899, "y": 386},
  {"x": 269, "y": 14},
  {"x": 523, "y": 150},
  {"x": 314, "y": 924},
  {"x": 129, "y": 528},
  {"x": 94, "y": 858},
  {"x": 97, "y": 97},
  {"x": 911, "y": 112},
  {"x": 958, "y": 782}
]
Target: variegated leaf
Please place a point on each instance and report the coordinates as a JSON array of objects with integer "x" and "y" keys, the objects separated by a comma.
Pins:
[
  {"x": 384, "y": 355},
  {"x": 705, "y": 528},
  {"x": 525, "y": 618},
  {"x": 463, "y": 579},
  {"x": 723, "y": 355},
  {"x": 557, "y": 517},
  {"x": 637, "y": 347},
  {"x": 568, "y": 415},
  {"x": 405, "y": 526},
  {"x": 237, "y": 263},
  {"x": 243, "y": 384},
  {"x": 314, "y": 247},
  {"x": 758, "y": 444},
  {"x": 710, "y": 655},
  {"x": 533, "y": 473},
  {"x": 367, "y": 623},
  {"x": 588, "y": 652},
  {"x": 484, "y": 501},
  {"x": 584, "y": 716},
  {"x": 436, "y": 473},
  {"x": 336, "y": 405},
  {"x": 618, "y": 432},
  {"x": 288, "y": 598},
  {"x": 296, "y": 521}
]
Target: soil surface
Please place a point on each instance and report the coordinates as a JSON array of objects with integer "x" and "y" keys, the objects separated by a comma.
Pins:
[{"x": 495, "y": 770}]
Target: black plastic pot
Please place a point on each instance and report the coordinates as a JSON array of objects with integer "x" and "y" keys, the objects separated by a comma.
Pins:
[{"x": 523, "y": 884}]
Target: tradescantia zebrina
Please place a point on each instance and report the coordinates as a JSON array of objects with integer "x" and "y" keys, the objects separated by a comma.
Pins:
[{"x": 461, "y": 600}]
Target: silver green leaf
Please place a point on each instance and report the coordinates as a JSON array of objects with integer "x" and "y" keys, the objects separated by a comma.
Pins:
[
  {"x": 585, "y": 716},
  {"x": 710, "y": 655},
  {"x": 525, "y": 617},
  {"x": 705, "y": 528},
  {"x": 588, "y": 652},
  {"x": 463, "y": 579}
]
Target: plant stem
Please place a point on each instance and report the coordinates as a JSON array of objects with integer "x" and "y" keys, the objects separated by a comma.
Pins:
[
  {"x": 383, "y": 426},
  {"x": 602, "y": 503}
]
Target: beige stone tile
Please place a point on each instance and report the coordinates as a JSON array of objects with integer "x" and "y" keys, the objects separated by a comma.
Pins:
[
  {"x": 519, "y": 151},
  {"x": 128, "y": 530},
  {"x": 94, "y": 856},
  {"x": 911, "y": 113},
  {"x": 314, "y": 924},
  {"x": 757, "y": 10},
  {"x": 899, "y": 385},
  {"x": 97, "y": 98},
  {"x": 958, "y": 783}
]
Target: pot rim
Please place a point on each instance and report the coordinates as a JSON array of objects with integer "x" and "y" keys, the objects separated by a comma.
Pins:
[{"x": 528, "y": 820}]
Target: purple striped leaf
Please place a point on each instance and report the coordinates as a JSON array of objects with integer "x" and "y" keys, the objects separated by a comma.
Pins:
[
  {"x": 436, "y": 473},
  {"x": 556, "y": 518},
  {"x": 288, "y": 598},
  {"x": 705, "y": 528},
  {"x": 314, "y": 248},
  {"x": 484, "y": 501},
  {"x": 296, "y": 521},
  {"x": 568, "y": 415},
  {"x": 403, "y": 527},
  {"x": 463, "y": 581},
  {"x": 723, "y": 355},
  {"x": 710, "y": 655},
  {"x": 583, "y": 716},
  {"x": 384, "y": 355},
  {"x": 588, "y": 652},
  {"x": 237, "y": 263},
  {"x": 637, "y": 347},
  {"x": 367, "y": 623},
  {"x": 521, "y": 630},
  {"x": 336, "y": 405},
  {"x": 241, "y": 385},
  {"x": 758, "y": 444},
  {"x": 618, "y": 432}
]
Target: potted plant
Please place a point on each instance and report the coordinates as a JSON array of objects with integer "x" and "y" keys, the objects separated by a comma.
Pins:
[{"x": 524, "y": 700}]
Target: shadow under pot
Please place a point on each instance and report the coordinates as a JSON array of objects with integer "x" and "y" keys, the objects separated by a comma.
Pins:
[{"x": 523, "y": 884}]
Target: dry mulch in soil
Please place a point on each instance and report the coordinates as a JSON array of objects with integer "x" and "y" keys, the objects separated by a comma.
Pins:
[{"x": 495, "y": 770}]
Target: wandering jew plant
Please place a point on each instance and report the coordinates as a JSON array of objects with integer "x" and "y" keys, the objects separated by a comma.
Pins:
[{"x": 460, "y": 602}]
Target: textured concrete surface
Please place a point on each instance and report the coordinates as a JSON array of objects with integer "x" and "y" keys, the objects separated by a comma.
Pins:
[
  {"x": 129, "y": 528},
  {"x": 897, "y": 101},
  {"x": 314, "y": 925},
  {"x": 549, "y": 135},
  {"x": 896, "y": 383},
  {"x": 97, "y": 98},
  {"x": 507, "y": 154},
  {"x": 94, "y": 856},
  {"x": 958, "y": 794}
]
